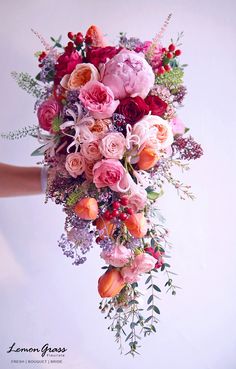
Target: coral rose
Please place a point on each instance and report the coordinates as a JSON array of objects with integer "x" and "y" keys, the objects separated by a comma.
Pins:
[
  {"x": 118, "y": 256},
  {"x": 98, "y": 99},
  {"x": 111, "y": 173},
  {"x": 137, "y": 225},
  {"x": 47, "y": 111},
  {"x": 128, "y": 74},
  {"x": 112, "y": 146},
  {"x": 82, "y": 74},
  {"x": 110, "y": 283},
  {"x": 75, "y": 164},
  {"x": 87, "y": 208},
  {"x": 148, "y": 157}
]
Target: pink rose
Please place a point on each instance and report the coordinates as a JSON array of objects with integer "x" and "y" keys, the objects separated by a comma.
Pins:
[
  {"x": 128, "y": 74},
  {"x": 138, "y": 199},
  {"x": 112, "y": 146},
  {"x": 110, "y": 173},
  {"x": 118, "y": 256},
  {"x": 47, "y": 111},
  {"x": 90, "y": 150},
  {"x": 89, "y": 170},
  {"x": 98, "y": 99},
  {"x": 177, "y": 126},
  {"x": 75, "y": 164},
  {"x": 142, "y": 263}
]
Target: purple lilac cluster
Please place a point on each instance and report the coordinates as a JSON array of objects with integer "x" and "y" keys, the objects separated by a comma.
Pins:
[{"x": 187, "y": 148}]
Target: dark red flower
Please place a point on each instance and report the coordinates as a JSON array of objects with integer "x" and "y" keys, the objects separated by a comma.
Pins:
[
  {"x": 156, "y": 105},
  {"x": 97, "y": 55},
  {"x": 133, "y": 109},
  {"x": 157, "y": 255},
  {"x": 66, "y": 63}
]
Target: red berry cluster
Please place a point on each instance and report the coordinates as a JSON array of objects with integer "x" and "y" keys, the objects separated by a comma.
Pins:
[
  {"x": 119, "y": 210},
  {"x": 79, "y": 39},
  {"x": 168, "y": 55}
]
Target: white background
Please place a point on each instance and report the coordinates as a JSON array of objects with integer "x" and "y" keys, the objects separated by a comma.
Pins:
[{"x": 46, "y": 299}]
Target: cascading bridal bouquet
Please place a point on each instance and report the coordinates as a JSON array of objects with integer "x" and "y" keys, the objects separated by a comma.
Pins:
[{"x": 110, "y": 135}]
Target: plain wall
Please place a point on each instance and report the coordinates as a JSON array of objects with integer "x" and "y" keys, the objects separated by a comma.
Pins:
[{"x": 46, "y": 299}]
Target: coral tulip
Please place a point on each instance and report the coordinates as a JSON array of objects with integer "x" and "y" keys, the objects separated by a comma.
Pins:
[
  {"x": 105, "y": 227},
  {"x": 87, "y": 208},
  {"x": 110, "y": 283},
  {"x": 148, "y": 157},
  {"x": 137, "y": 225},
  {"x": 96, "y": 37}
]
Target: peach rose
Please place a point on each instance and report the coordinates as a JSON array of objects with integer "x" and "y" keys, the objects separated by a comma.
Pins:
[
  {"x": 90, "y": 150},
  {"x": 137, "y": 225},
  {"x": 148, "y": 157},
  {"x": 82, "y": 74},
  {"x": 75, "y": 164},
  {"x": 100, "y": 127},
  {"x": 87, "y": 208},
  {"x": 112, "y": 146},
  {"x": 95, "y": 36},
  {"x": 161, "y": 130},
  {"x": 118, "y": 256},
  {"x": 110, "y": 283},
  {"x": 89, "y": 170}
]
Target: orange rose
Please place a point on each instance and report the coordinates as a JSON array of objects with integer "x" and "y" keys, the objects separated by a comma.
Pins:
[
  {"x": 95, "y": 37},
  {"x": 87, "y": 208},
  {"x": 148, "y": 157},
  {"x": 137, "y": 225},
  {"x": 162, "y": 133},
  {"x": 106, "y": 227},
  {"x": 83, "y": 73},
  {"x": 110, "y": 283}
]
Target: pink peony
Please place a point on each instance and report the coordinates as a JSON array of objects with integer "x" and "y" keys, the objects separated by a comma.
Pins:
[
  {"x": 118, "y": 256},
  {"x": 112, "y": 146},
  {"x": 47, "y": 111},
  {"x": 177, "y": 126},
  {"x": 75, "y": 164},
  {"x": 98, "y": 99},
  {"x": 111, "y": 173},
  {"x": 128, "y": 74}
]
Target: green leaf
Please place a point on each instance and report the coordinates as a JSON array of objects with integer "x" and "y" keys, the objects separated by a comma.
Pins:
[
  {"x": 119, "y": 310},
  {"x": 132, "y": 302},
  {"x": 155, "y": 308},
  {"x": 186, "y": 129},
  {"x": 148, "y": 279},
  {"x": 153, "y": 328},
  {"x": 147, "y": 320},
  {"x": 40, "y": 150},
  {"x": 153, "y": 195},
  {"x": 156, "y": 288},
  {"x": 56, "y": 124},
  {"x": 150, "y": 299}
]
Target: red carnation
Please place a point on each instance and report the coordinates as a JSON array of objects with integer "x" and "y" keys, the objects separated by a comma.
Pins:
[
  {"x": 97, "y": 55},
  {"x": 133, "y": 109},
  {"x": 156, "y": 105},
  {"x": 66, "y": 63}
]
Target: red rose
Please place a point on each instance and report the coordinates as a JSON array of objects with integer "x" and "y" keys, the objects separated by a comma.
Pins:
[
  {"x": 97, "y": 55},
  {"x": 156, "y": 105},
  {"x": 133, "y": 109},
  {"x": 66, "y": 63},
  {"x": 157, "y": 255}
]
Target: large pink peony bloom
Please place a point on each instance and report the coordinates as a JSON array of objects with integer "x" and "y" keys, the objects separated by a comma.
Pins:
[
  {"x": 111, "y": 173},
  {"x": 128, "y": 74},
  {"x": 118, "y": 256},
  {"x": 98, "y": 99}
]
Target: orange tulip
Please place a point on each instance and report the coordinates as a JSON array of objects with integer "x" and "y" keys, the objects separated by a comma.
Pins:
[
  {"x": 107, "y": 227},
  {"x": 87, "y": 208},
  {"x": 137, "y": 225},
  {"x": 148, "y": 157},
  {"x": 110, "y": 283},
  {"x": 96, "y": 37}
]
